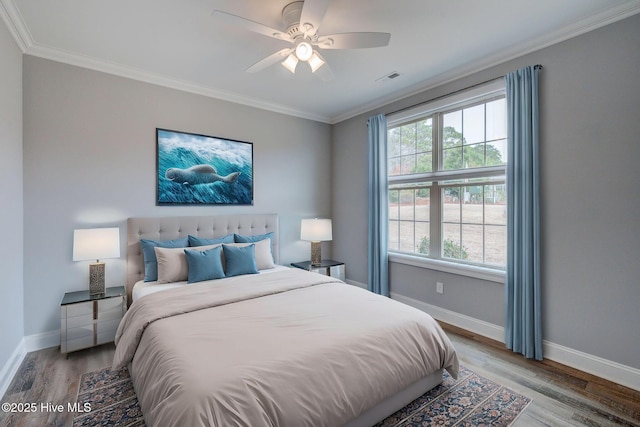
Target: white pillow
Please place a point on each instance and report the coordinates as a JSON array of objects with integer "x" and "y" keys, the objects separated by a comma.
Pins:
[
  {"x": 172, "y": 263},
  {"x": 264, "y": 257}
]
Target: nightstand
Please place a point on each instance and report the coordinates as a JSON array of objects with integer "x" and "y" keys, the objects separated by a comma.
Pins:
[
  {"x": 90, "y": 320},
  {"x": 328, "y": 267}
]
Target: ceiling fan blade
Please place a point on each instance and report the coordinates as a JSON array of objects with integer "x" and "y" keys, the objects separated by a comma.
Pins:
[
  {"x": 353, "y": 40},
  {"x": 269, "y": 60},
  {"x": 313, "y": 12},
  {"x": 250, "y": 25}
]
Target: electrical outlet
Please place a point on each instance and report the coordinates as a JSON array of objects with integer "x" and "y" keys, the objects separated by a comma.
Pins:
[{"x": 440, "y": 287}]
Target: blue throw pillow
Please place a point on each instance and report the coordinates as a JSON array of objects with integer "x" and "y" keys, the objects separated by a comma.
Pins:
[
  {"x": 199, "y": 241},
  {"x": 149, "y": 254},
  {"x": 239, "y": 238},
  {"x": 240, "y": 260},
  {"x": 204, "y": 265}
]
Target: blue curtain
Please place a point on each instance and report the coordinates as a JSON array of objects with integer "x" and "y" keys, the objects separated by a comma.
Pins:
[
  {"x": 523, "y": 326},
  {"x": 378, "y": 273}
]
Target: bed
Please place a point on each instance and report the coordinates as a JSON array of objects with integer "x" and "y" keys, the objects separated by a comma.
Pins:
[{"x": 283, "y": 347}]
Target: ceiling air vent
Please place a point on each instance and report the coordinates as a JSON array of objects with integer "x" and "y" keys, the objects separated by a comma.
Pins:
[{"x": 392, "y": 75}]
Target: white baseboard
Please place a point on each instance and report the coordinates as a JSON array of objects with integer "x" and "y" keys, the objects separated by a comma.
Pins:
[
  {"x": 465, "y": 322},
  {"x": 603, "y": 368},
  {"x": 27, "y": 344},
  {"x": 41, "y": 341},
  {"x": 11, "y": 367}
]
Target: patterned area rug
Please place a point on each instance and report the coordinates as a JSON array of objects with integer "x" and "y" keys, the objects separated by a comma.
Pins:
[
  {"x": 112, "y": 397},
  {"x": 471, "y": 400}
]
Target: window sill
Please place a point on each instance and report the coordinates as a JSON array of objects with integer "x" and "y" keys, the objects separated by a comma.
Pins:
[{"x": 477, "y": 272}]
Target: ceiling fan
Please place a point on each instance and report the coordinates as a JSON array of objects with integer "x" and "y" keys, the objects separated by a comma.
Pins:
[{"x": 301, "y": 20}]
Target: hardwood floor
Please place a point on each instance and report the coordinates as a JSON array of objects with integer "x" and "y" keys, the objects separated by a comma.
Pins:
[
  {"x": 561, "y": 396},
  {"x": 46, "y": 376}
]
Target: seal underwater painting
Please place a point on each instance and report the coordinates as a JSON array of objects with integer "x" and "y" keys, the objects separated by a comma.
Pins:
[{"x": 205, "y": 170}]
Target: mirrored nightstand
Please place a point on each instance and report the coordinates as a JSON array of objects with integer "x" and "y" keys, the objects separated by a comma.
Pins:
[
  {"x": 327, "y": 267},
  {"x": 89, "y": 320}
]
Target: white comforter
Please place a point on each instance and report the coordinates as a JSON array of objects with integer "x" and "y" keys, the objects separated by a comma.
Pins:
[{"x": 291, "y": 348}]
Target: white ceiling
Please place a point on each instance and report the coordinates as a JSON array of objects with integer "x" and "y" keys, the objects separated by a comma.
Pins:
[{"x": 177, "y": 43}]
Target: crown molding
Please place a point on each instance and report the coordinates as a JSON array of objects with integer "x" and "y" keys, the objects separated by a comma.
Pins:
[
  {"x": 20, "y": 32},
  {"x": 15, "y": 24},
  {"x": 581, "y": 27},
  {"x": 120, "y": 70},
  {"x": 22, "y": 36}
]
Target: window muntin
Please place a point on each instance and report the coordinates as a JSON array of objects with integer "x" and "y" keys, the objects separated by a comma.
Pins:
[
  {"x": 475, "y": 136},
  {"x": 474, "y": 223},
  {"x": 410, "y": 148},
  {"x": 409, "y": 219},
  {"x": 447, "y": 197}
]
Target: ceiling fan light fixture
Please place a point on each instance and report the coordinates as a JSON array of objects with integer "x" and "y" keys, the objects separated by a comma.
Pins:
[
  {"x": 315, "y": 62},
  {"x": 304, "y": 51},
  {"x": 290, "y": 63},
  {"x": 301, "y": 19}
]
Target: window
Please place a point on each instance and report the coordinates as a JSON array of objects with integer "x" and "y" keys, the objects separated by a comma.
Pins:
[{"x": 447, "y": 166}]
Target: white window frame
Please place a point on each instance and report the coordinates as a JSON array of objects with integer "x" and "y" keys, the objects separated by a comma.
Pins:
[{"x": 455, "y": 101}]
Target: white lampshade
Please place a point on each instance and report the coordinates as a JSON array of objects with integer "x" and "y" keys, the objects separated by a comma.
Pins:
[
  {"x": 315, "y": 62},
  {"x": 290, "y": 63},
  {"x": 96, "y": 243},
  {"x": 315, "y": 230}
]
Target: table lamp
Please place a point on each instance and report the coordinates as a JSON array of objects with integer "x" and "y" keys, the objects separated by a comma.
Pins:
[
  {"x": 96, "y": 244},
  {"x": 316, "y": 231}
]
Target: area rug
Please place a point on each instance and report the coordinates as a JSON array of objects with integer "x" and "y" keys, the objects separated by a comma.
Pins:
[{"x": 471, "y": 400}]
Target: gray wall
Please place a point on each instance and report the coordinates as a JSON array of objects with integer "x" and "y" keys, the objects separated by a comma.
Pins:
[
  {"x": 11, "y": 255},
  {"x": 90, "y": 160},
  {"x": 590, "y": 149}
]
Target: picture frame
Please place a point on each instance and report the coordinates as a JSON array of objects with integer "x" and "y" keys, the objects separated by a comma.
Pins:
[{"x": 194, "y": 169}]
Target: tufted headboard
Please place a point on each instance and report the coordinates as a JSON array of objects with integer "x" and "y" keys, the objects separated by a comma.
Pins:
[{"x": 169, "y": 228}]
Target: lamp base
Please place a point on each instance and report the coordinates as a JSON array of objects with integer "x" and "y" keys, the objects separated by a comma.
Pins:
[
  {"x": 316, "y": 253},
  {"x": 96, "y": 278}
]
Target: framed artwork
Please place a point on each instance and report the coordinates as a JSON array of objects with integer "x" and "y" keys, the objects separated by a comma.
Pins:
[{"x": 197, "y": 169}]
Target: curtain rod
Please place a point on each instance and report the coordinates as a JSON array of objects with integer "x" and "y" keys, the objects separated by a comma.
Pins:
[{"x": 536, "y": 67}]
